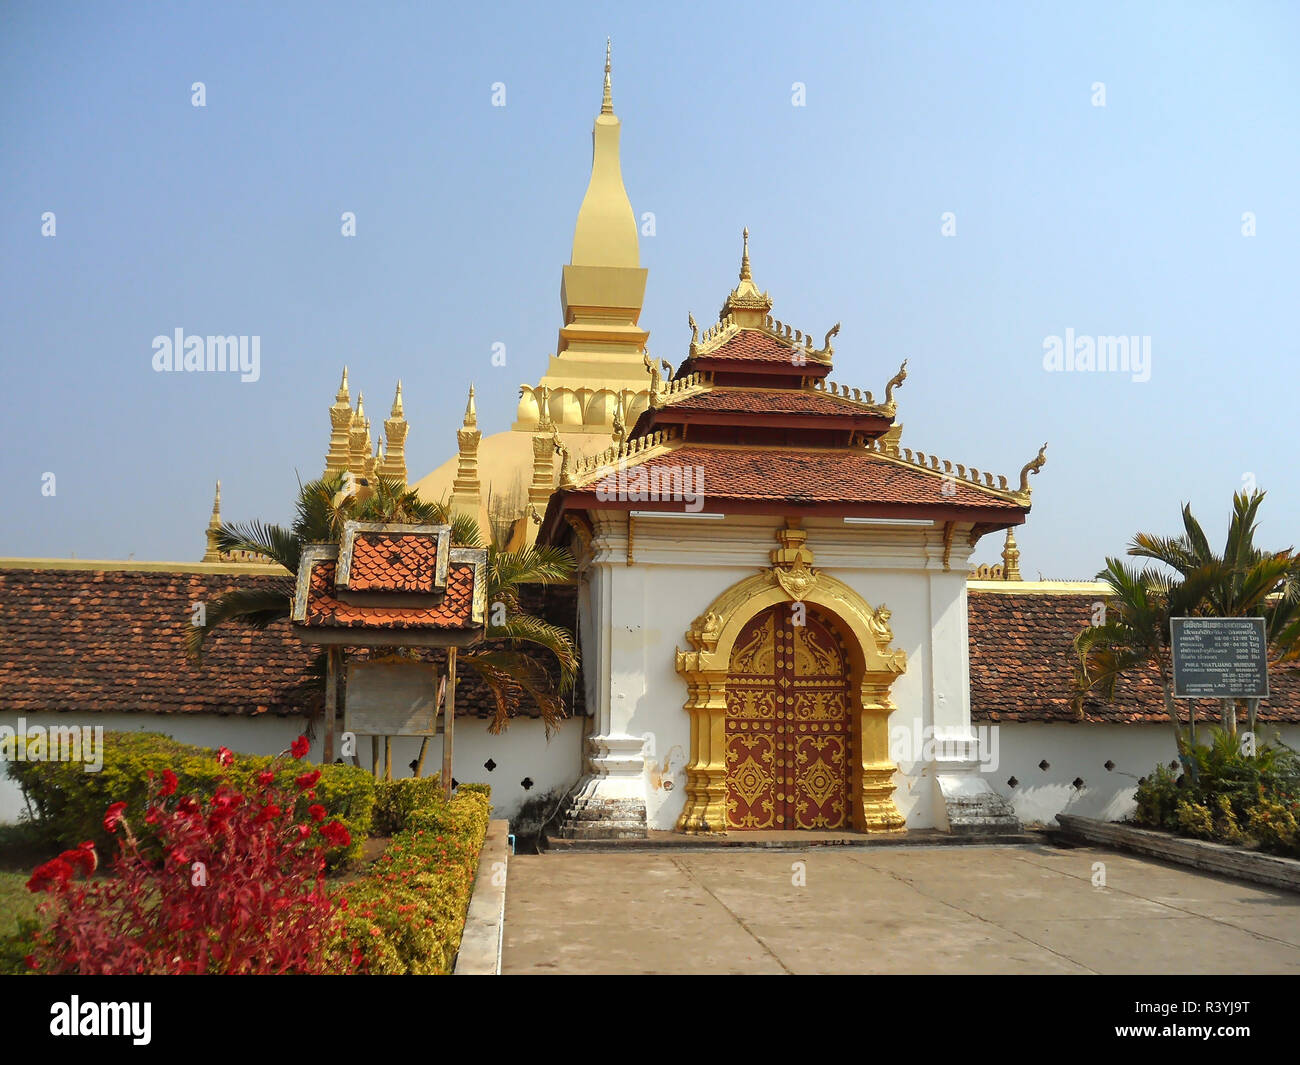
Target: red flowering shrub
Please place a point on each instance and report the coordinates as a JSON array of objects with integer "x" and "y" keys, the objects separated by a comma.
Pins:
[{"x": 237, "y": 887}]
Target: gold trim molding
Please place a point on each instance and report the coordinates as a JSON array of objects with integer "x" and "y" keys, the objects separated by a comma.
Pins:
[{"x": 873, "y": 664}]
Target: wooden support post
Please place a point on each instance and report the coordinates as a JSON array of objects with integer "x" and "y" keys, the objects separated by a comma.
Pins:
[
  {"x": 374, "y": 757},
  {"x": 448, "y": 724},
  {"x": 388, "y": 757},
  {"x": 332, "y": 656}
]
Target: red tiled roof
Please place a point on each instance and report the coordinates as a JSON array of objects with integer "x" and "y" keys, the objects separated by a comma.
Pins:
[
  {"x": 1022, "y": 667},
  {"x": 86, "y": 641},
  {"x": 783, "y": 401},
  {"x": 387, "y": 562},
  {"x": 808, "y": 476},
  {"x": 110, "y": 641},
  {"x": 452, "y": 610},
  {"x": 751, "y": 345}
]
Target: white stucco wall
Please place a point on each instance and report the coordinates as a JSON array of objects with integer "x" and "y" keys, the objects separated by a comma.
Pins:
[
  {"x": 521, "y": 752},
  {"x": 1079, "y": 751},
  {"x": 680, "y": 565}
]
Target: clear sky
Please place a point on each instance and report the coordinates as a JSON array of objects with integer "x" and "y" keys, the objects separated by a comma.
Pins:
[{"x": 1122, "y": 219}]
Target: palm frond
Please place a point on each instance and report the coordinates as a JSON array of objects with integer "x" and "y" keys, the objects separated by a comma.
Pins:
[{"x": 255, "y": 607}]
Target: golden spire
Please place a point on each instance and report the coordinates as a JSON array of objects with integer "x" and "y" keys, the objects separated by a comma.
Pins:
[
  {"x": 466, "y": 490},
  {"x": 471, "y": 412},
  {"x": 607, "y": 105},
  {"x": 1011, "y": 558},
  {"x": 212, "y": 554},
  {"x": 336, "y": 458},
  {"x": 606, "y": 232},
  {"x": 393, "y": 457},
  {"x": 746, "y": 303}
]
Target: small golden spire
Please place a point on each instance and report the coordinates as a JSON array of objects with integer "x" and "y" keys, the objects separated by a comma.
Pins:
[
  {"x": 471, "y": 411},
  {"x": 396, "y": 412},
  {"x": 212, "y": 554},
  {"x": 607, "y": 105},
  {"x": 360, "y": 415},
  {"x": 1011, "y": 558},
  {"x": 342, "y": 394},
  {"x": 745, "y": 275}
]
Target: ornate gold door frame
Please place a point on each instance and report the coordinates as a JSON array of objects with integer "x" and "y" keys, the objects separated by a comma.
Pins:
[{"x": 873, "y": 666}]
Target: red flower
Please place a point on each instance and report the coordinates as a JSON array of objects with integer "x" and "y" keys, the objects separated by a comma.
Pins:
[
  {"x": 113, "y": 815},
  {"x": 336, "y": 835},
  {"x": 307, "y": 780},
  {"x": 300, "y": 747},
  {"x": 52, "y": 876},
  {"x": 317, "y": 812},
  {"x": 267, "y": 813},
  {"x": 304, "y": 831},
  {"x": 224, "y": 756},
  {"x": 266, "y": 778},
  {"x": 169, "y": 783},
  {"x": 83, "y": 859}
]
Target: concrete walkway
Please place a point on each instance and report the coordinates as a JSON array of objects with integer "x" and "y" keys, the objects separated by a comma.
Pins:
[{"x": 893, "y": 910}]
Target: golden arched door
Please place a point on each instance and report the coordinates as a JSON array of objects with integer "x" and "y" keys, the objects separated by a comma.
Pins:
[{"x": 787, "y": 726}]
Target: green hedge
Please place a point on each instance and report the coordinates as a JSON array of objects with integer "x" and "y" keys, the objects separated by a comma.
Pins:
[
  {"x": 407, "y": 914},
  {"x": 70, "y": 803}
]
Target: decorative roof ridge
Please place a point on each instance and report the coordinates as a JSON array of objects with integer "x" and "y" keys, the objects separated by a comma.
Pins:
[
  {"x": 824, "y": 386},
  {"x": 629, "y": 453},
  {"x": 716, "y": 336},
  {"x": 930, "y": 465}
]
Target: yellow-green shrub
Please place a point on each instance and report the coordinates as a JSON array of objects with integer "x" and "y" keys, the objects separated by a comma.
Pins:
[{"x": 407, "y": 914}]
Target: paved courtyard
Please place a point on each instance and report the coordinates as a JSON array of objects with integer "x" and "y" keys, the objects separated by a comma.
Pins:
[{"x": 889, "y": 910}]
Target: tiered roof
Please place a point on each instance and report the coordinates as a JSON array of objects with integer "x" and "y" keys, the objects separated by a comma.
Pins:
[
  {"x": 391, "y": 584},
  {"x": 752, "y": 414}
]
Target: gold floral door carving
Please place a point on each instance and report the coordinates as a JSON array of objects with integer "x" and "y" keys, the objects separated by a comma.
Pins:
[{"x": 788, "y": 723}]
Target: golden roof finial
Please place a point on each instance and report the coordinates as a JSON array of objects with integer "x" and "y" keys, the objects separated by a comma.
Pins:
[
  {"x": 216, "y": 507},
  {"x": 360, "y": 415},
  {"x": 1010, "y": 558},
  {"x": 396, "y": 412},
  {"x": 746, "y": 303},
  {"x": 471, "y": 411},
  {"x": 342, "y": 395},
  {"x": 607, "y": 104}
]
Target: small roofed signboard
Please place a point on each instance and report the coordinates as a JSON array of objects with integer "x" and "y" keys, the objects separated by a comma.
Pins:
[
  {"x": 391, "y": 699},
  {"x": 1220, "y": 658}
]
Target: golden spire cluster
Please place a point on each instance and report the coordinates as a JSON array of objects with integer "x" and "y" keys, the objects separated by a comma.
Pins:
[{"x": 351, "y": 448}]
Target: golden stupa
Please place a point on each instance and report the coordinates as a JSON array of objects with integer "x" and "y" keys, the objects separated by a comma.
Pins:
[{"x": 597, "y": 382}]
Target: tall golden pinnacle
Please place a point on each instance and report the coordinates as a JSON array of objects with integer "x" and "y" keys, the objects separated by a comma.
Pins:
[
  {"x": 336, "y": 458},
  {"x": 606, "y": 233},
  {"x": 745, "y": 274},
  {"x": 607, "y": 104},
  {"x": 393, "y": 463}
]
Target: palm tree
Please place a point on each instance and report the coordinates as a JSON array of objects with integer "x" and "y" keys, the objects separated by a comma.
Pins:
[
  {"x": 1246, "y": 581},
  {"x": 511, "y": 670},
  {"x": 1134, "y": 636}
]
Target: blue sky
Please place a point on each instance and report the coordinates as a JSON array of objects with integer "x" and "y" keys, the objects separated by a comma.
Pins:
[{"x": 1125, "y": 219}]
